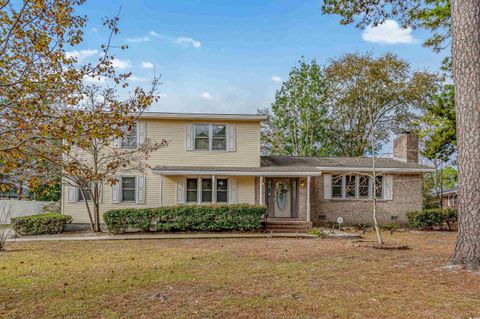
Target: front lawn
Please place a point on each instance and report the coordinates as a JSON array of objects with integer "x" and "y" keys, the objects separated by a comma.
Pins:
[{"x": 235, "y": 278}]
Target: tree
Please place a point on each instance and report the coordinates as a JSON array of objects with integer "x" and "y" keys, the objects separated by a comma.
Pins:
[
  {"x": 299, "y": 110},
  {"x": 88, "y": 157},
  {"x": 435, "y": 183},
  {"x": 464, "y": 23},
  {"x": 364, "y": 93},
  {"x": 37, "y": 76},
  {"x": 439, "y": 126}
]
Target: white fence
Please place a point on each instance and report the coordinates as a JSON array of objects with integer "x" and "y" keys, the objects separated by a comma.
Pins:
[{"x": 23, "y": 207}]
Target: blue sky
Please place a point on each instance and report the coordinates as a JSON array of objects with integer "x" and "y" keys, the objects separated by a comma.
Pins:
[{"x": 230, "y": 56}]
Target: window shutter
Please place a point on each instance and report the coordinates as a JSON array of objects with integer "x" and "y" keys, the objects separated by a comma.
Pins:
[
  {"x": 72, "y": 194},
  {"x": 189, "y": 137},
  {"x": 141, "y": 132},
  {"x": 140, "y": 189},
  {"x": 232, "y": 191},
  {"x": 116, "y": 142},
  {"x": 388, "y": 187},
  {"x": 181, "y": 181},
  {"x": 231, "y": 138},
  {"x": 327, "y": 186},
  {"x": 116, "y": 191}
]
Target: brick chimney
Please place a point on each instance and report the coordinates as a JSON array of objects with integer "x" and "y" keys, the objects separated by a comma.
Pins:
[{"x": 405, "y": 147}]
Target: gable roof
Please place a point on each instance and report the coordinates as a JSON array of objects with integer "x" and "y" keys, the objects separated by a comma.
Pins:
[{"x": 203, "y": 116}]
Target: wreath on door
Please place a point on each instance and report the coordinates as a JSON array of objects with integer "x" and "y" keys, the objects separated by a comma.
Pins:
[{"x": 281, "y": 188}]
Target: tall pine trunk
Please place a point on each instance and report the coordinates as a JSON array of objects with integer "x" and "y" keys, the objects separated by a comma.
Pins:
[{"x": 466, "y": 75}]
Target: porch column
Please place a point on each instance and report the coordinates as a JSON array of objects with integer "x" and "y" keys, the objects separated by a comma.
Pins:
[
  {"x": 262, "y": 202},
  {"x": 308, "y": 198}
]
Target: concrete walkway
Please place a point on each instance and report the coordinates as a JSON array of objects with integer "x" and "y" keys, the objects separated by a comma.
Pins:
[{"x": 78, "y": 236}]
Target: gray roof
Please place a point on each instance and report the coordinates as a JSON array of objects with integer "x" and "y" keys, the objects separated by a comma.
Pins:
[
  {"x": 339, "y": 162},
  {"x": 292, "y": 165}
]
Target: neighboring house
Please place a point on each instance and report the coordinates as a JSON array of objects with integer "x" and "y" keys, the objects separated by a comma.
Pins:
[
  {"x": 450, "y": 198},
  {"x": 215, "y": 158}
]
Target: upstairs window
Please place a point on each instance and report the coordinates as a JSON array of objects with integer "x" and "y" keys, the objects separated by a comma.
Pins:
[
  {"x": 129, "y": 139},
  {"x": 210, "y": 137}
]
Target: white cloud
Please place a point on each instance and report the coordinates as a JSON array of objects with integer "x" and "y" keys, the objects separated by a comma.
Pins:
[
  {"x": 186, "y": 42},
  {"x": 138, "y": 40},
  {"x": 95, "y": 80},
  {"x": 388, "y": 32},
  {"x": 136, "y": 78},
  {"x": 276, "y": 78},
  {"x": 154, "y": 34},
  {"x": 121, "y": 64},
  {"x": 206, "y": 95},
  {"x": 147, "y": 65},
  {"x": 81, "y": 55},
  {"x": 94, "y": 29}
]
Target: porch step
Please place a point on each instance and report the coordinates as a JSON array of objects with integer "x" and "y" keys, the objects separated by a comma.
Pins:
[{"x": 287, "y": 226}]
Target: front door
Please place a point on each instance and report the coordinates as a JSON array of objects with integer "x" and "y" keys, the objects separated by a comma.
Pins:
[{"x": 282, "y": 198}]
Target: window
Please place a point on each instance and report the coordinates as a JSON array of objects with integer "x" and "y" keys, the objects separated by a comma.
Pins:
[
  {"x": 337, "y": 187},
  {"x": 192, "y": 190},
  {"x": 219, "y": 137},
  {"x": 207, "y": 190},
  {"x": 379, "y": 187},
  {"x": 356, "y": 186},
  {"x": 202, "y": 137},
  {"x": 128, "y": 189},
  {"x": 222, "y": 190},
  {"x": 80, "y": 195},
  {"x": 363, "y": 186},
  {"x": 210, "y": 137},
  {"x": 129, "y": 139},
  {"x": 351, "y": 186},
  {"x": 204, "y": 193}
]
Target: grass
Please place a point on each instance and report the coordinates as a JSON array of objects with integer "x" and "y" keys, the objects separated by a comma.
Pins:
[{"x": 241, "y": 278}]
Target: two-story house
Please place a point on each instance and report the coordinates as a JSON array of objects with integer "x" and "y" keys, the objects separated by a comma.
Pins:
[{"x": 215, "y": 158}]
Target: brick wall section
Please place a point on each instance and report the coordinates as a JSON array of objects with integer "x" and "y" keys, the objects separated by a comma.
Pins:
[{"x": 407, "y": 196}]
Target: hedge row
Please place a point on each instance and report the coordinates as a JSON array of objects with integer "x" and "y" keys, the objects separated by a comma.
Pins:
[
  {"x": 427, "y": 219},
  {"x": 186, "y": 218},
  {"x": 46, "y": 223}
]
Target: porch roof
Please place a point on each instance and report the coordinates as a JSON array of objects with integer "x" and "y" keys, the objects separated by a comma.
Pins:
[{"x": 236, "y": 171}]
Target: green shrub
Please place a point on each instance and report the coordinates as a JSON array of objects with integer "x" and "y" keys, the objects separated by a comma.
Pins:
[
  {"x": 428, "y": 219},
  {"x": 46, "y": 223},
  {"x": 391, "y": 227},
  {"x": 317, "y": 233},
  {"x": 186, "y": 218}
]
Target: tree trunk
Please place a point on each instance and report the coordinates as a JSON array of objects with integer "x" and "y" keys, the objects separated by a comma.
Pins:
[
  {"x": 96, "y": 210},
  {"x": 466, "y": 75}
]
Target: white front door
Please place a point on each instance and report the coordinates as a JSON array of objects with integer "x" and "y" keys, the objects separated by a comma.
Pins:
[{"x": 282, "y": 198}]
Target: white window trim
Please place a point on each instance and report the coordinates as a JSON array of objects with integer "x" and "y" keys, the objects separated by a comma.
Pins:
[
  {"x": 344, "y": 196},
  {"x": 199, "y": 190},
  {"x": 210, "y": 137},
  {"x": 121, "y": 190}
]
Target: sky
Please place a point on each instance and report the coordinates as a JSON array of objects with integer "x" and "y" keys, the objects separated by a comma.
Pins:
[{"x": 231, "y": 56}]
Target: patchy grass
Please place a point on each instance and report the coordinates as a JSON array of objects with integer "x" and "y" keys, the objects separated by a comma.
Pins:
[{"x": 241, "y": 278}]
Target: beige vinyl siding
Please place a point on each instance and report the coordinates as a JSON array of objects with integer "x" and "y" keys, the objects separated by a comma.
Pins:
[
  {"x": 247, "y": 153},
  {"x": 245, "y": 191}
]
